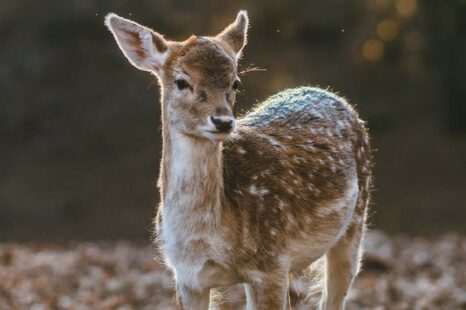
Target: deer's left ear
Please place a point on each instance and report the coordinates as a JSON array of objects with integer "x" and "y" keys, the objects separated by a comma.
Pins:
[
  {"x": 235, "y": 35},
  {"x": 144, "y": 48}
]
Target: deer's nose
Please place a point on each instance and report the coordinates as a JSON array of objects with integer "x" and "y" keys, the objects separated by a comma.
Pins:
[{"x": 223, "y": 123}]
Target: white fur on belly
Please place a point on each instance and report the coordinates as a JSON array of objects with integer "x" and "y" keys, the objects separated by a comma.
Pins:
[{"x": 310, "y": 248}]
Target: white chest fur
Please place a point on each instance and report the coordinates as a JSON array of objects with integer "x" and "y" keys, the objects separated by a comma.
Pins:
[
  {"x": 191, "y": 234},
  {"x": 190, "y": 253}
]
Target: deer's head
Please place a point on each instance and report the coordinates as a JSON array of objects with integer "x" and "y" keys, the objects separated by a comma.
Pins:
[{"x": 198, "y": 76}]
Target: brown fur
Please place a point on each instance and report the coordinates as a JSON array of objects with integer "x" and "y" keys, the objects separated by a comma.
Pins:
[{"x": 272, "y": 198}]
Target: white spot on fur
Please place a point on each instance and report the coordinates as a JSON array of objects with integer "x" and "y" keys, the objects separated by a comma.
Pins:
[
  {"x": 266, "y": 172},
  {"x": 347, "y": 201},
  {"x": 270, "y": 139},
  {"x": 241, "y": 150},
  {"x": 341, "y": 124},
  {"x": 291, "y": 222},
  {"x": 281, "y": 205},
  {"x": 258, "y": 191},
  {"x": 239, "y": 192},
  {"x": 346, "y": 146}
]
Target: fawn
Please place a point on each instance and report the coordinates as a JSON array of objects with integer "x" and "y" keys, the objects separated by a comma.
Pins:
[{"x": 250, "y": 200}]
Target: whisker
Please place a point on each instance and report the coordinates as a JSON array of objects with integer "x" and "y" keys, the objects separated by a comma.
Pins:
[
  {"x": 251, "y": 69},
  {"x": 150, "y": 84}
]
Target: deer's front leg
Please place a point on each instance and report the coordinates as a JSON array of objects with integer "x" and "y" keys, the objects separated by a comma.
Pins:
[
  {"x": 271, "y": 291},
  {"x": 190, "y": 299}
]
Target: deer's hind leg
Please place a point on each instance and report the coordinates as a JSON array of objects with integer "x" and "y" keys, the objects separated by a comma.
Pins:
[
  {"x": 269, "y": 292},
  {"x": 342, "y": 265}
]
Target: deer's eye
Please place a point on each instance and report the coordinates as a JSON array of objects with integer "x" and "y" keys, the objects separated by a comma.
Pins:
[
  {"x": 182, "y": 84},
  {"x": 236, "y": 85}
]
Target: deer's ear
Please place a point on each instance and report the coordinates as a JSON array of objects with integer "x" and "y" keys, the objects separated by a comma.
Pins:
[
  {"x": 235, "y": 35},
  {"x": 144, "y": 48}
]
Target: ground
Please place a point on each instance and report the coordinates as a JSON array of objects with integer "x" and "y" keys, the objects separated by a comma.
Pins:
[{"x": 399, "y": 272}]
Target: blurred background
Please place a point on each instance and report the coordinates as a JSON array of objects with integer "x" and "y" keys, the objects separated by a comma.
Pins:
[{"x": 80, "y": 132}]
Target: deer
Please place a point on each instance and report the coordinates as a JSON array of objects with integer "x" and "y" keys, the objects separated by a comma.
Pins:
[{"x": 250, "y": 201}]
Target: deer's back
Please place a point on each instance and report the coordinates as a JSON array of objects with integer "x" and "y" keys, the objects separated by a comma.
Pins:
[{"x": 293, "y": 165}]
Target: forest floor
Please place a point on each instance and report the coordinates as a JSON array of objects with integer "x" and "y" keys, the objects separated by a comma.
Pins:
[{"x": 399, "y": 272}]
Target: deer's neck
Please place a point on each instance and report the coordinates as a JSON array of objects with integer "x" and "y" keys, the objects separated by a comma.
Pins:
[{"x": 191, "y": 173}]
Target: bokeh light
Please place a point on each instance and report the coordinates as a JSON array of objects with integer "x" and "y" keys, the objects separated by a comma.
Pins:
[
  {"x": 373, "y": 50},
  {"x": 387, "y": 30},
  {"x": 380, "y": 4},
  {"x": 406, "y": 8}
]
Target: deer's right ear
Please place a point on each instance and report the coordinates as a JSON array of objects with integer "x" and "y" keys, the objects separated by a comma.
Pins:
[{"x": 144, "y": 48}]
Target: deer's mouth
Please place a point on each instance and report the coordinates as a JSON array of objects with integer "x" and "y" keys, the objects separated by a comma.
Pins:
[
  {"x": 219, "y": 132},
  {"x": 216, "y": 135}
]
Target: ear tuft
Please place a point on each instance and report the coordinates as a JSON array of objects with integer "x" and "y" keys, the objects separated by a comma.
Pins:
[
  {"x": 143, "y": 47},
  {"x": 235, "y": 35}
]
